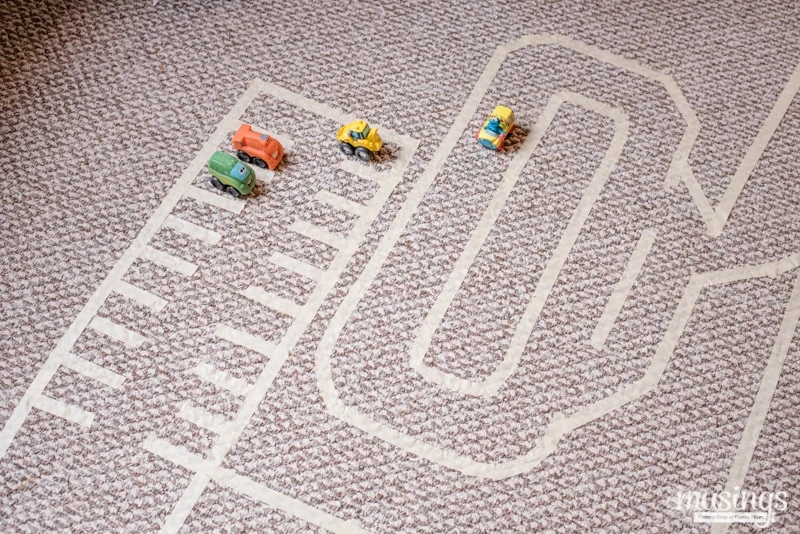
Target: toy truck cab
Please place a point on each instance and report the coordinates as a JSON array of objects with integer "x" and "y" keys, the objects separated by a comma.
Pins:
[
  {"x": 358, "y": 138},
  {"x": 257, "y": 148},
  {"x": 228, "y": 174}
]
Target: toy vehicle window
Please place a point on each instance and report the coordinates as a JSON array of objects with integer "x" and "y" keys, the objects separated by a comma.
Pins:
[
  {"x": 355, "y": 135},
  {"x": 494, "y": 126},
  {"x": 365, "y": 133},
  {"x": 239, "y": 171}
]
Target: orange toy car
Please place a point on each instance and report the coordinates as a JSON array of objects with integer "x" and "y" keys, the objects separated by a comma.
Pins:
[{"x": 257, "y": 148}]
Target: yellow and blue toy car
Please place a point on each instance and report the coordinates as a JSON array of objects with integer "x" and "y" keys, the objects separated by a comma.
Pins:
[{"x": 497, "y": 127}]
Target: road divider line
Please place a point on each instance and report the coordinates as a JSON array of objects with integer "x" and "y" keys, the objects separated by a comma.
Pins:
[
  {"x": 71, "y": 413},
  {"x": 245, "y": 339},
  {"x": 115, "y": 331},
  {"x": 215, "y": 199},
  {"x": 169, "y": 261},
  {"x": 622, "y": 289},
  {"x": 93, "y": 371},
  {"x": 271, "y": 300},
  {"x": 140, "y": 296},
  {"x": 300, "y": 267},
  {"x": 221, "y": 379},
  {"x": 318, "y": 234},
  {"x": 192, "y": 230}
]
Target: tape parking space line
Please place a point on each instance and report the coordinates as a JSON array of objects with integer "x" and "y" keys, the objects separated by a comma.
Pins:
[
  {"x": 296, "y": 266},
  {"x": 93, "y": 371},
  {"x": 221, "y": 379},
  {"x": 120, "y": 333},
  {"x": 206, "y": 205},
  {"x": 193, "y": 230},
  {"x": 245, "y": 339},
  {"x": 341, "y": 203},
  {"x": 215, "y": 199},
  {"x": 271, "y": 300},
  {"x": 203, "y": 418},
  {"x": 324, "y": 282},
  {"x": 169, "y": 261},
  {"x": 73, "y": 414},
  {"x": 140, "y": 296},
  {"x": 318, "y": 234}
]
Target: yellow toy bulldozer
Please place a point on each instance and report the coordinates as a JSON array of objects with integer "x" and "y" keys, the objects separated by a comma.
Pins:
[{"x": 358, "y": 138}]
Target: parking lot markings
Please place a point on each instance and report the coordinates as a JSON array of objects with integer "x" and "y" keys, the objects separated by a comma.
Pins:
[
  {"x": 341, "y": 203},
  {"x": 168, "y": 260},
  {"x": 245, "y": 339},
  {"x": 359, "y": 169},
  {"x": 207, "y": 470},
  {"x": 182, "y": 188},
  {"x": 93, "y": 371},
  {"x": 201, "y": 417},
  {"x": 271, "y": 300},
  {"x": 278, "y": 351},
  {"x": 118, "y": 332},
  {"x": 140, "y": 296},
  {"x": 221, "y": 379},
  {"x": 73, "y": 414},
  {"x": 300, "y": 267},
  {"x": 318, "y": 234},
  {"x": 193, "y": 230},
  {"x": 215, "y": 199}
]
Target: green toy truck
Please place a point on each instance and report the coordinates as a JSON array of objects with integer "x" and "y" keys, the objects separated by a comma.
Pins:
[{"x": 231, "y": 175}]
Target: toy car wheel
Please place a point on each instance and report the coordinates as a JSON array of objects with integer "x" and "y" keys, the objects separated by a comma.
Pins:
[
  {"x": 260, "y": 162},
  {"x": 217, "y": 184},
  {"x": 347, "y": 148},
  {"x": 363, "y": 154},
  {"x": 233, "y": 191},
  {"x": 243, "y": 156}
]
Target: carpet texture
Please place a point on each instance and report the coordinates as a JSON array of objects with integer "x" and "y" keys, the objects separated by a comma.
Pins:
[{"x": 578, "y": 333}]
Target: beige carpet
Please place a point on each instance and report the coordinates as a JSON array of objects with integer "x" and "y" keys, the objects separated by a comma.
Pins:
[{"x": 593, "y": 330}]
